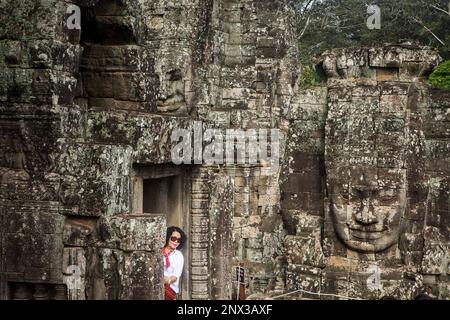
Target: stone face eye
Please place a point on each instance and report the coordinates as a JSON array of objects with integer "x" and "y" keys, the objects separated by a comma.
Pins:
[
  {"x": 356, "y": 193},
  {"x": 174, "y": 75},
  {"x": 344, "y": 195}
]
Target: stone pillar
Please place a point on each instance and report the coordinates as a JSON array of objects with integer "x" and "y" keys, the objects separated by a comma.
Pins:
[
  {"x": 40, "y": 292},
  {"x": 20, "y": 291},
  {"x": 200, "y": 273},
  {"x": 222, "y": 251},
  {"x": 60, "y": 292}
]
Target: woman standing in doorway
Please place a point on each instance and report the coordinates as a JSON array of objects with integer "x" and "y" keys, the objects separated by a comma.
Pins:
[{"x": 173, "y": 261}]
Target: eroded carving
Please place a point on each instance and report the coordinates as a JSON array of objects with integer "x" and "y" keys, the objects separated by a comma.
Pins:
[
  {"x": 366, "y": 216},
  {"x": 366, "y": 175},
  {"x": 171, "y": 96}
]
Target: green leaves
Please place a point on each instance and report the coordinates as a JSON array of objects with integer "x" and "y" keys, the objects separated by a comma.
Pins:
[
  {"x": 309, "y": 77},
  {"x": 440, "y": 78}
]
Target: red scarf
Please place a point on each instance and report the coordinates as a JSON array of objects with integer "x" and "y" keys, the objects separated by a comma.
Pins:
[{"x": 166, "y": 255}]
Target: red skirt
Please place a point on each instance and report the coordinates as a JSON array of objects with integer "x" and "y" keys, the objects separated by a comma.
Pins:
[{"x": 169, "y": 294}]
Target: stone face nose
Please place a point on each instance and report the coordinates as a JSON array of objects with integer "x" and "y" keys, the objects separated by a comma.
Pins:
[
  {"x": 365, "y": 214},
  {"x": 364, "y": 197},
  {"x": 162, "y": 91}
]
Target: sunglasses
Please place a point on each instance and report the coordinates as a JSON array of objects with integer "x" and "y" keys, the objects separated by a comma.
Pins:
[{"x": 175, "y": 239}]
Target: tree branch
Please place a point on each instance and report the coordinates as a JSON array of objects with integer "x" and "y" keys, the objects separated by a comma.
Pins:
[
  {"x": 421, "y": 23},
  {"x": 437, "y": 8},
  {"x": 304, "y": 29},
  {"x": 303, "y": 10}
]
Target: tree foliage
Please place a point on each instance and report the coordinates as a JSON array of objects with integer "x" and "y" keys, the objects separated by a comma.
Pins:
[
  {"x": 440, "y": 78},
  {"x": 308, "y": 77},
  {"x": 326, "y": 24}
]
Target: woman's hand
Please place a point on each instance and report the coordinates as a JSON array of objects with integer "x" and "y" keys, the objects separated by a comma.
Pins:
[{"x": 170, "y": 280}]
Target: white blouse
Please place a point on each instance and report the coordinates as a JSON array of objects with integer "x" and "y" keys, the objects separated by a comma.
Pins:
[{"x": 176, "y": 261}]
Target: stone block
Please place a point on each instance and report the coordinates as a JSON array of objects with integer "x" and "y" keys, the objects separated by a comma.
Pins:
[
  {"x": 299, "y": 277},
  {"x": 435, "y": 258},
  {"x": 293, "y": 200},
  {"x": 130, "y": 233},
  {"x": 141, "y": 276},
  {"x": 387, "y": 74},
  {"x": 105, "y": 179},
  {"x": 304, "y": 182},
  {"x": 80, "y": 231},
  {"x": 305, "y": 250}
]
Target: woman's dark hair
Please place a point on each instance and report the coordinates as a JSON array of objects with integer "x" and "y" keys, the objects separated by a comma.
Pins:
[{"x": 169, "y": 234}]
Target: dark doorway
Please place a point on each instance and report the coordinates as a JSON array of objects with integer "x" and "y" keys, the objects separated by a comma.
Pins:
[{"x": 165, "y": 190}]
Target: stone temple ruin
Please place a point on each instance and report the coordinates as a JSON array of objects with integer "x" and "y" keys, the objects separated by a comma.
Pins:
[{"x": 360, "y": 205}]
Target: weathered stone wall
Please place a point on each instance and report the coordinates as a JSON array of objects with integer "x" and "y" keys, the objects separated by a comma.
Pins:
[
  {"x": 37, "y": 68},
  {"x": 67, "y": 163},
  {"x": 253, "y": 76},
  {"x": 385, "y": 209},
  {"x": 82, "y": 109}
]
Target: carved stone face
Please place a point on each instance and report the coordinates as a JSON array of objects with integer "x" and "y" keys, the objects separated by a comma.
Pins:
[
  {"x": 366, "y": 147},
  {"x": 171, "y": 96},
  {"x": 367, "y": 216}
]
